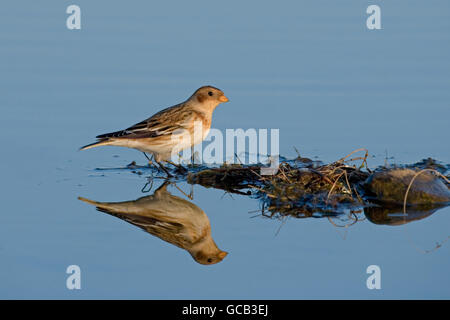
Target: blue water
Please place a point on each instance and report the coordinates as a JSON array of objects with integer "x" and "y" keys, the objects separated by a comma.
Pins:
[{"x": 311, "y": 69}]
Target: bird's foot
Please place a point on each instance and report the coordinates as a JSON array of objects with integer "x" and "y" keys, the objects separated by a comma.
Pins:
[
  {"x": 150, "y": 160},
  {"x": 163, "y": 168},
  {"x": 179, "y": 167}
]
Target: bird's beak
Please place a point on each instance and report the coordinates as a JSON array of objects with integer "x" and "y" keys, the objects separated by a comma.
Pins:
[
  {"x": 222, "y": 98},
  {"x": 222, "y": 254}
]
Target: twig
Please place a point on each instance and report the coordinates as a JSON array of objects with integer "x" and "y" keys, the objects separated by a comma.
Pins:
[
  {"x": 334, "y": 184},
  {"x": 414, "y": 178}
]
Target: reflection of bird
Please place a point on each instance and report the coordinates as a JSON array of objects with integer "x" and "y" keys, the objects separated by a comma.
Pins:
[
  {"x": 160, "y": 134},
  {"x": 171, "y": 219}
]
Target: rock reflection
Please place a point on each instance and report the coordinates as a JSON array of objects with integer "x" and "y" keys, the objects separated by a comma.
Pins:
[
  {"x": 170, "y": 218},
  {"x": 394, "y": 216}
]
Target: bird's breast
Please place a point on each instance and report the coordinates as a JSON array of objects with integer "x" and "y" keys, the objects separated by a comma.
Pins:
[{"x": 201, "y": 128}]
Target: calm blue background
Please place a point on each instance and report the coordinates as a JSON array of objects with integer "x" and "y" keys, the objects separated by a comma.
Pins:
[{"x": 310, "y": 68}]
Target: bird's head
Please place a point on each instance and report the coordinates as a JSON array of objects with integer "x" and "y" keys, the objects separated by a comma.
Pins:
[
  {"x": 207, "y": 258},
  {"x": 209, "y": 97}
]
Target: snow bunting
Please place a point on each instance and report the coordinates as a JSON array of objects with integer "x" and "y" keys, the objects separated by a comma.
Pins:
[
  {"x": 171, "y": 219},
  {"x": 161, "y": 134}
]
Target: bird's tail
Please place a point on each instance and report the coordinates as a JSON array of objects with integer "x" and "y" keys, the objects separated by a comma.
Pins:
[
  {"x": 116, "y": 209},
  {"x": 101, "y": 206},
  {"x": 105, "y": 142},
  {"x": 89, "y": 201}
]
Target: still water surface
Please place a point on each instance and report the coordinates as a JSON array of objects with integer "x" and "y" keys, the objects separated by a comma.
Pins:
[{"x": 311, "y": 69}]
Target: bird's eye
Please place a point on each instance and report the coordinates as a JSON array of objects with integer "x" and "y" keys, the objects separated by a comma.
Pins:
[
  {"x": 209, "y": 260},
  {"x": 210, "y": 93}
]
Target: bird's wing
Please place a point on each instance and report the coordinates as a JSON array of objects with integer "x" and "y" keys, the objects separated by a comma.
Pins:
[
  {"x": 170, "y": 231},
  {"x": 145, "y": 222},
  {"x": 162, "y": 123}
]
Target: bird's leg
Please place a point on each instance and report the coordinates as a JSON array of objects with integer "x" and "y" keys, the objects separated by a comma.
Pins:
[
  {"x": 164, "y": 169},
  {"x": 192, "y": 156},
  {"x": 190, "y": 195},
  {"x": 150, "y": 161},
  {"x": 179, "y": 166}
]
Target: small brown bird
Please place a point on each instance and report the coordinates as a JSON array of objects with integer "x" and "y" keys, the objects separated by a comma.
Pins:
[
  {"x": 159, "y": 134},
  {"x": 171, "y": 219}
]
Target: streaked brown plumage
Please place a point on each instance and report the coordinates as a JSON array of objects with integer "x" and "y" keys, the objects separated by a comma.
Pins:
[
  {"x": 171, "y": 219},
  {"x": 160, "y": 134}
]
